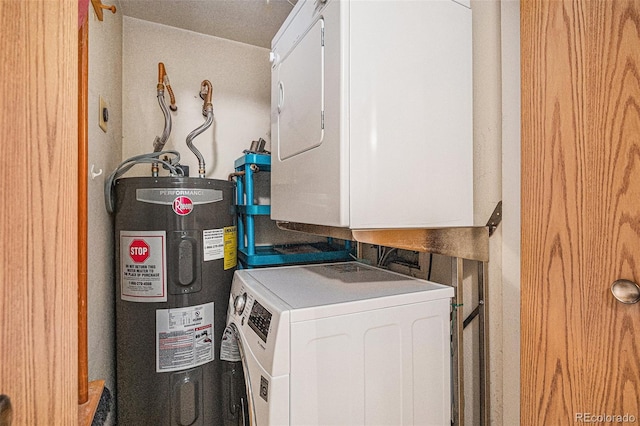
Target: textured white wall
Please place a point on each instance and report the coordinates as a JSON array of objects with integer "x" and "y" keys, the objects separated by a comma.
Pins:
[
  {"x": 496, "y": 32},
  {"x": 487, "y": 174},
  {"x": 240, "y": 75},
  {"x": 511, "y": 209},
  {"x": 497, "y": 177},
  {"x": 105, "y": 78}
]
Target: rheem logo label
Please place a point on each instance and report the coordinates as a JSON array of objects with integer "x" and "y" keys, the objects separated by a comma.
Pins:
[
  {"x": 138, "y": 251},
  {"x": 182, "y": 205}
]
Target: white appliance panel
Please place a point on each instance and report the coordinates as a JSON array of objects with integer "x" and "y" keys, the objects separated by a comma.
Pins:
[
  {"x": 370, "y": 367},
  {"x": 300, "y": 97},
  {"x": 344, "y": 344},
  {"x": 315, "y": 183},
  {"x": 274, "y": 410},
  {"x": 410, "y": 115},
  {"x": 383, "y": 375},
  {"x": 316, "y": 291},
  {"x": 431, "y": 368},
  {"x": 272, "y": 354},
  {"x": 397, "y": 143}
]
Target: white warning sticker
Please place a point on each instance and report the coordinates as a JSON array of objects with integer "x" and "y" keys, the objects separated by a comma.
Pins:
[
  {"x": 213, "y": 244},
  {"x": 229, "y": 348},
  {"x": 143, "y": 266},
  {"x": 184, "y": 337}
]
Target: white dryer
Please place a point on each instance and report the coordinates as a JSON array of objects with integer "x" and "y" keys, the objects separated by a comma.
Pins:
[{"x": 342, "y": 344}]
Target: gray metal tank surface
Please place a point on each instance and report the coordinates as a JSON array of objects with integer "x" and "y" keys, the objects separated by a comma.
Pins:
[{"x": 175, "y": 259}]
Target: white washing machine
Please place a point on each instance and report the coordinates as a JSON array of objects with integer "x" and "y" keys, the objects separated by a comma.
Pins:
[{"x": 341, "y": 344}]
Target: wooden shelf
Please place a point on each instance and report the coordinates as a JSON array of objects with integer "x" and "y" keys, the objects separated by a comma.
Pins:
[
  {"x": 467, "y": 243},
  {"x": 87, "y": 411}
]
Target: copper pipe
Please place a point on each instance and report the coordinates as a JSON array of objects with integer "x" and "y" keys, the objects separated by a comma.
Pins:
[
  {"x": 207, "y": 90},
  {"x": 161, "y": 73},
  {"x": 83, "y": 153},
  {"x": 235, "y": 174},
  {"x": 158, "y": 144},
  {"x": 172, "y": 98},
  {"x": 163, "y": 81},
  {"x": 98, "y": 7}
]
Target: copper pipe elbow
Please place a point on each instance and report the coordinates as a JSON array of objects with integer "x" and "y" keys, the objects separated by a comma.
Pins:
[{"x": 207, "y": 91}]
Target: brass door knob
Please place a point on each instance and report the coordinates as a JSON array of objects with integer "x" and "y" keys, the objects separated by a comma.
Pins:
[{"x": 626, "y": 291}]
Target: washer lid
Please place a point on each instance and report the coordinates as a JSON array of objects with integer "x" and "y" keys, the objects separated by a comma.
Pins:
[{"x": 342, "y": 288}]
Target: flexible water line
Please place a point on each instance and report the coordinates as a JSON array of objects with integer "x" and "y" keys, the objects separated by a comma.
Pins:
[
  {"x": 206, "y": 91},
  {"x": 159, "y": 142},
  {"x": 127, "y": 164},
  {"x": 196, "y": 132}
]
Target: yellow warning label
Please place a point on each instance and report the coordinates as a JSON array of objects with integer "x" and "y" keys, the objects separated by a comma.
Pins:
[{"x": 230, "y": 247}]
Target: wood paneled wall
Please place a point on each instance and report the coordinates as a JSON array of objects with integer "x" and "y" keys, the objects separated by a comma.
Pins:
[{"x": 38, "y": 275}]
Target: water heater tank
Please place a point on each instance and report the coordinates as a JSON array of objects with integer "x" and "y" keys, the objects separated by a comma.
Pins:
[{"x": 175, "y": 257}]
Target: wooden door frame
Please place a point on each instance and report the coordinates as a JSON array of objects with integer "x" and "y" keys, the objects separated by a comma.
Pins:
[{"x": 38, "y": 276}]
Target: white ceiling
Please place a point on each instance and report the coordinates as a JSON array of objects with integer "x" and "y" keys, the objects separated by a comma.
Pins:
[{"x": 253, "y": 22}]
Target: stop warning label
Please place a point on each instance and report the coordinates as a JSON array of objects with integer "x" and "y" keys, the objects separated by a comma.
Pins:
[
  {"x": 143, "y": 266},
  {"x": 139, "y": 250}
]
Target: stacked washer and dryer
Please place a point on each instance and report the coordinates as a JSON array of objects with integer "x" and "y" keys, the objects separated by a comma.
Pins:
[{"x": 371, "y": 128}]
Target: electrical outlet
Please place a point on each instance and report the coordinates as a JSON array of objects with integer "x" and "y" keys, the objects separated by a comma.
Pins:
[{"x": 103, "y": 114}]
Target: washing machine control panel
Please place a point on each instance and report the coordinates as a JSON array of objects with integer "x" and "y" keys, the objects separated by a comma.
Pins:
[{"x": 259, "y": 320}]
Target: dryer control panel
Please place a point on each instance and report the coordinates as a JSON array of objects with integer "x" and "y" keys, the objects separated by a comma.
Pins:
[
  {"x": 262, "y": 320},
  {"x": 259, "y": 320}
]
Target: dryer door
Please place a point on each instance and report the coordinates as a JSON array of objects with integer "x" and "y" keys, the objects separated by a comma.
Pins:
[
  {"x": 300, "y": 95},
  {"x": 237, "y": 399}
]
